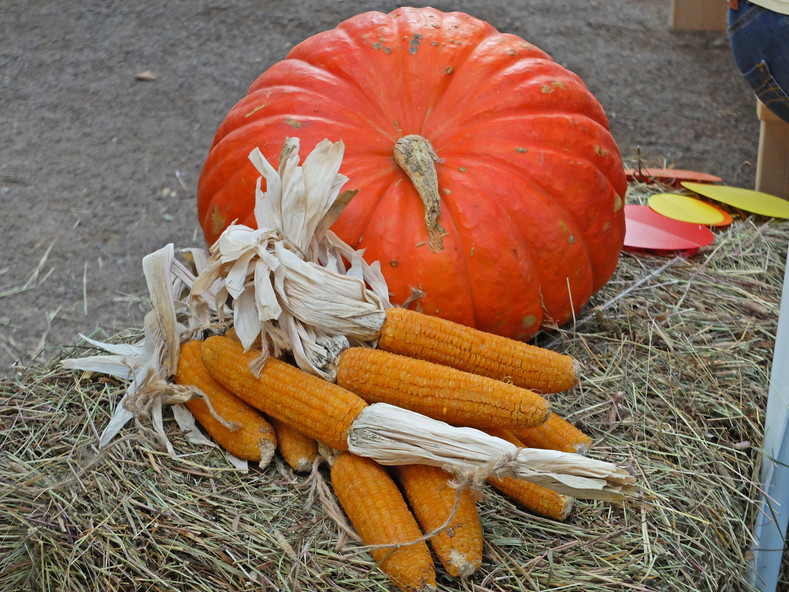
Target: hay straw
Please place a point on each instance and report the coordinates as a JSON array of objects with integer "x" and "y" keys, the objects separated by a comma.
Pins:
[
  {"x": 34, "y": 279},
  {"x": 674, "y": 385}
]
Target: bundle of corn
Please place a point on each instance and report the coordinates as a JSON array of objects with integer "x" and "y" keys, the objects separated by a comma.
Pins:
[{"x": 377, "y": 385}]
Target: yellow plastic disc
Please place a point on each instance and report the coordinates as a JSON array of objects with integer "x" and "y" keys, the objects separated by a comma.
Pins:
[
  {"x": 757, "y": 202},
  {"x": 685, "y": 208}
]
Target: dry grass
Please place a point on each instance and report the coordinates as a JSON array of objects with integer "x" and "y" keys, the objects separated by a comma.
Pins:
[{"x": 676, "y": 354}]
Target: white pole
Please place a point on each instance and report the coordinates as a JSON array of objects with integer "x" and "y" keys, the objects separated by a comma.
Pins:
[{"x": 770, "y": 526}]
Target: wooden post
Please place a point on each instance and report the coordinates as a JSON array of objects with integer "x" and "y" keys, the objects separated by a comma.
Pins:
[
  {"x": 772, "y": 162},
  {"x": 698, "y": 15}
]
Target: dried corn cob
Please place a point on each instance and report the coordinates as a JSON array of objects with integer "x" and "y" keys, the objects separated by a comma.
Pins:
[
  {"x": 555, "y": 433},
  {"x": 380, "y": 515},
  {"x": 531, "y": 496},
  {"x": 298, "y": 450},
  {"x": 231, "y": 334},
  {"x": 437, "y": 340},
  {"x": 444, "y": 393},
  {"x": 432, "y": 498},
  {"x": 253, "y": 437},
  {"x": 313, "y": 406}
]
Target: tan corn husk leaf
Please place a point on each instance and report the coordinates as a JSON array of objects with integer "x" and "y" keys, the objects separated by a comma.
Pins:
[
  {"x": 394, "y": 436},
  {"x": 149, "y": 364},
  {"x": 291, "y": 287}
]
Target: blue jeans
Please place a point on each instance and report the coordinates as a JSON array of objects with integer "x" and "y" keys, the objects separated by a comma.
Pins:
[{"x": 760, "y": 44}]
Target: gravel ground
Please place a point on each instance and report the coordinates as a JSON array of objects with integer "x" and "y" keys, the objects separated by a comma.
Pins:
[{"x": 99, "y": 167}]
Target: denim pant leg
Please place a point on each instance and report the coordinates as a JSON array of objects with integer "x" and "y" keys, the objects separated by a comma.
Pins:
[{"x": 760, "y": 45}]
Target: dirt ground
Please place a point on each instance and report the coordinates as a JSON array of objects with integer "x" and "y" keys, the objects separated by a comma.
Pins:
[{"x": 99, "y": 168}]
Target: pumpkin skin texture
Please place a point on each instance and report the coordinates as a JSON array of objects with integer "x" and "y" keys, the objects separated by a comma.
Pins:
[{"x": 531, "y": 182}]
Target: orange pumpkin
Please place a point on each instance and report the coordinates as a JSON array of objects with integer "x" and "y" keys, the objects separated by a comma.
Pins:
[{"x": 525, "y": 218}]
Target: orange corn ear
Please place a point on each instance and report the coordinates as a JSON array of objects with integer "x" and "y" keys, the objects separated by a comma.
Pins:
[
  {"x": 231, "y": 334},
  {"x": 380, "y": 515},
  {"x": 459, "y": 545},
  {"x": 316, "y": 408},
  {"x": 418, "y": 335},
  {"x": 252, "y": 439},
  {"x": 296, "y": 449},
  {"x": 556, "y": 434},
  {"x": 531, "y": 496},
  {"x": 437, "y": 391}
]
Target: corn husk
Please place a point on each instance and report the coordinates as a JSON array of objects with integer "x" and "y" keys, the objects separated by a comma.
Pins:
[
  {"x": 288, "y": 278},
  {"x": 391, "y": 435},
  {"x": 149, "y": 364}
]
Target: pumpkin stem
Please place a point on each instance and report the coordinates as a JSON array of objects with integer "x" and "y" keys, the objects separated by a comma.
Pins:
[{"x": 415, "y": 155}]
